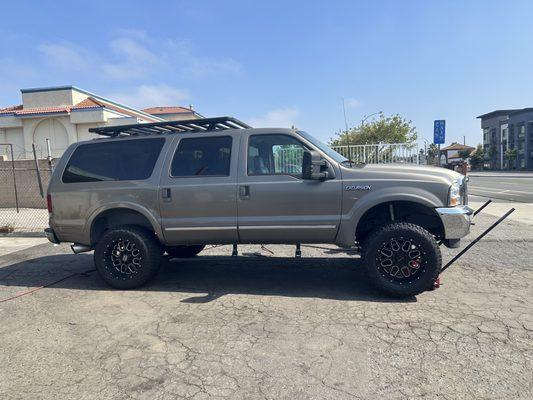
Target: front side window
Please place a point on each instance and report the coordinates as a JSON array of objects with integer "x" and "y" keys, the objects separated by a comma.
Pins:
[
  {"x": 113, "y": 161},
  {"x": 207, "y": 156},
  {"x": 275, "y": 155}
]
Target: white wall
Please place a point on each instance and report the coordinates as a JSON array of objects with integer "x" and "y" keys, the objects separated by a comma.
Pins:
[
  {"x": 59, "y": 130},
  {"x": 84, "y": 117},
  {"x": 47, "y": 99},
  {"x": 84, "y": 134},
  {"x": 16, "y": 138}
]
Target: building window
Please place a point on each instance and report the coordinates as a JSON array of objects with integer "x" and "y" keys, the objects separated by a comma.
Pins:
[
  {"x": 511, "y": 142},
  {"x": 486, "y": 136}
]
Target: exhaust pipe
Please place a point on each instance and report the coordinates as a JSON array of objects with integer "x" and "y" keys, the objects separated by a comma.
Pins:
[{"x": 79, "y": 248}]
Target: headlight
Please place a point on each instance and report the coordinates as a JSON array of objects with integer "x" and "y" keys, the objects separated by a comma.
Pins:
[{"x": 456, "y": 192}]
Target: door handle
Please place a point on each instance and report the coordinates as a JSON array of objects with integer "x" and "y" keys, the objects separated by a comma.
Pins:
[
  {"x": 166, "y": 194},
  {"x": 244, "y": 191}
]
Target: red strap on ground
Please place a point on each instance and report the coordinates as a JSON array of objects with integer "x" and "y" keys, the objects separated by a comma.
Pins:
[{"x": 44, "y": 286}]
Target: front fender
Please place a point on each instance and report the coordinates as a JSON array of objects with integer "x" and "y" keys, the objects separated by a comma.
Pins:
[
  {"x": 148, "y": 214},
  {"x": 350, "y": 219}
]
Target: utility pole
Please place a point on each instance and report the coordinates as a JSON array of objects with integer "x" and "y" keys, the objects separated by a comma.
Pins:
[{"x": 344, "y": 111}]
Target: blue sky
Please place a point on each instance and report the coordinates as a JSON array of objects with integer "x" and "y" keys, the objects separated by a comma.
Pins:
[{"x": 277, "y": 63}]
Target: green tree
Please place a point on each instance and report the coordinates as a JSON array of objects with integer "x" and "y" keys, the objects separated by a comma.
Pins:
[
  {"x": 477, "y": 157},
  {"x": 393, "y": 129},
  {"x": 464, "y": 154},
  {"x": 433, "y": 153},
  {"x": 510, "y": 155}
]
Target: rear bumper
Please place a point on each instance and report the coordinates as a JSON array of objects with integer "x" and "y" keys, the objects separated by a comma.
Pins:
[
  {"x": 456, "y": 221},
  {"x": 51, "y": 236}
]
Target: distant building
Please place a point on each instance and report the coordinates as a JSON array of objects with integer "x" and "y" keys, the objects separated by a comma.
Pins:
[
  {"x": 508, "y": 131},
  {"x": 64, "y": 114},
  {"x": 173, "y": 113},
  {"x": 449, "y": 156}
]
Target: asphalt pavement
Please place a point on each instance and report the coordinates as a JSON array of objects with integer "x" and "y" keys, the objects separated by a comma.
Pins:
[
  {"x": 504, "y": 186},
  {"x": 264, "y": 327}
]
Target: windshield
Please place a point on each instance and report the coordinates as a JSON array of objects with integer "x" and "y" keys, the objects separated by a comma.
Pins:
[{"x": 324, "y": 147}]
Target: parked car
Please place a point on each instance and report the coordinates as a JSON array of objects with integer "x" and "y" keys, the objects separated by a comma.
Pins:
[{"x": 174, "y": 187}]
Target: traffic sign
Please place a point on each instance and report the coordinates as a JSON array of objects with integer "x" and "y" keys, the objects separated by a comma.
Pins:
[{"x": 439, "y": 131}]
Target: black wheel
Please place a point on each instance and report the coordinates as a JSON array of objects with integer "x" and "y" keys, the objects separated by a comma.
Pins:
[
  {"x": 127, "y": 257},
  {"x": 402, "y": 259},
  {"x": 184, "y": 251}
]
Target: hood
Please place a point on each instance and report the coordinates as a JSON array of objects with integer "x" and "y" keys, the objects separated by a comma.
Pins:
[{"x": 407, "y": 171}]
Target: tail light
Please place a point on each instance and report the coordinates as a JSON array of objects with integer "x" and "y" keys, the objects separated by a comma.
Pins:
[{"x": 49, "y": 202}]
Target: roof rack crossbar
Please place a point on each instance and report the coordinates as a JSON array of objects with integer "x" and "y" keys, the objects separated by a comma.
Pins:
[{"x": 184, "y": 126}]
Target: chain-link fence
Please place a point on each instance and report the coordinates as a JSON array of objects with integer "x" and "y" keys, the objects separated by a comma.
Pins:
[{"x": 22, "y": 206}]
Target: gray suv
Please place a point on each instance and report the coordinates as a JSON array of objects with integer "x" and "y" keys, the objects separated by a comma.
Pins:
[{"x": 173, "y": 187}]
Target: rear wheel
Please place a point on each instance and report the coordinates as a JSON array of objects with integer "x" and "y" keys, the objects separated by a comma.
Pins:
[
  {"x": 184, "y": 251},
  {"x": 402, "y": 259},
  {"x": 127, "y": 257}
]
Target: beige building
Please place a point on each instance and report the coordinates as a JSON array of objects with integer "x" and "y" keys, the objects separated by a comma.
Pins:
[{"x": 64, "y": 114}]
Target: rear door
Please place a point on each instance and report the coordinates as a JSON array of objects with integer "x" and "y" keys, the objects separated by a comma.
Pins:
[
  {"x": 275, "y": 205},
  {"x": 198, "y": 189}
]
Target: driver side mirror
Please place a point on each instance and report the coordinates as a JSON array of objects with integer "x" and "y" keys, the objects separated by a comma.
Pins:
[{"x": 314, "y": 166}]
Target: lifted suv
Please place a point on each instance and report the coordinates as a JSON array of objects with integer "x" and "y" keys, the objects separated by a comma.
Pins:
[{"x": 176, "y": 186}]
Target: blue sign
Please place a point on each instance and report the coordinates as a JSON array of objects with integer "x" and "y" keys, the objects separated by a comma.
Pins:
[{"x": 439, "y": 131}]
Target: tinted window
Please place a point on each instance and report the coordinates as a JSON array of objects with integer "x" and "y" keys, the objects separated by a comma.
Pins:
[
  {"x": 208, "y": 156},
  {"x": 113, "y": 161},
  {"x": 275, "y": 155}
]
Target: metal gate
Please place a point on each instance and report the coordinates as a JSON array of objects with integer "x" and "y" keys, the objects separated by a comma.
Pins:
[{"x": 381, "y": 153}]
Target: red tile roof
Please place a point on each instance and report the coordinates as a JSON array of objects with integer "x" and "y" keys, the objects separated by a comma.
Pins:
[
  {"x": 19, "y": 110},
  {"x": 167, "y": 110},
  {"x": 88, "y": 103},
  {"x": 10, "y": 109},
  {"x": 457, "y": 146}
]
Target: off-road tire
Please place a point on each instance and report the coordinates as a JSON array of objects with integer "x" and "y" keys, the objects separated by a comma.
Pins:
[
  {"x": 127, "y": 257},
  {"x": 184, "y": 251},
  {"x": 380, "y": 244}
]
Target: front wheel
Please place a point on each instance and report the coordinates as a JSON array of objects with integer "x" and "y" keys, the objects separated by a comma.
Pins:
[{"x": 402, "y": 259}]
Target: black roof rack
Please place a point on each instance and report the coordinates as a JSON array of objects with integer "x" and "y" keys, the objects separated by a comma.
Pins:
[{"x": 189, "y": 125}]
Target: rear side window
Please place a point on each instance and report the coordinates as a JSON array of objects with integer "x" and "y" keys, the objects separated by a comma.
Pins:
[
  {"x": 208, "y": 156},
  {"x": 113, "y": 161}
]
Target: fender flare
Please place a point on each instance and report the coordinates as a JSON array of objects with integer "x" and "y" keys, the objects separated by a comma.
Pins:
[
  {"x": 351, "y": 219},
  {"x": 145, "y": 212}
]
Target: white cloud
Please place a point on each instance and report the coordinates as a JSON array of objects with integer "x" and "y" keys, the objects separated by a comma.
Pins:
[
  {"x": 151, "y": 95},
  {"x": 182, "y": 55},
  {"x": 352, "y": 103},
  {"x": 134, "y": 55},
  {"x": 279, "y": 117},
  {"x": 64, "y": 55},
  {"x": 132, "y": 50}
]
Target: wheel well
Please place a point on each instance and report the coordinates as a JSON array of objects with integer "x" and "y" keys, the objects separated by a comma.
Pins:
[
  {"x": 399, "y": 211},
  {"x": 116, "y": 217}
]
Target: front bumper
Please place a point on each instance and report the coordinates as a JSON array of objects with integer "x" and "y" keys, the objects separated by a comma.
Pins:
[
  {"x": 456, "y": 221},
  {"x": 51, "y": 236}
]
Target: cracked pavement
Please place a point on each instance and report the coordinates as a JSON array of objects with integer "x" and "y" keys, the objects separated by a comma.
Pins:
[{"x": 217, "y": 327}]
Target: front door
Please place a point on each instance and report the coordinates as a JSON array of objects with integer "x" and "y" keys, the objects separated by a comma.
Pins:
[
  {"x": 275, "y": 205},
  {"x": 198, "y": 189}
]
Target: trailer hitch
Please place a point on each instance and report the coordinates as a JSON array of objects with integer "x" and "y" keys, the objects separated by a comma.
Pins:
[{"x": 476, "y": 240}]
